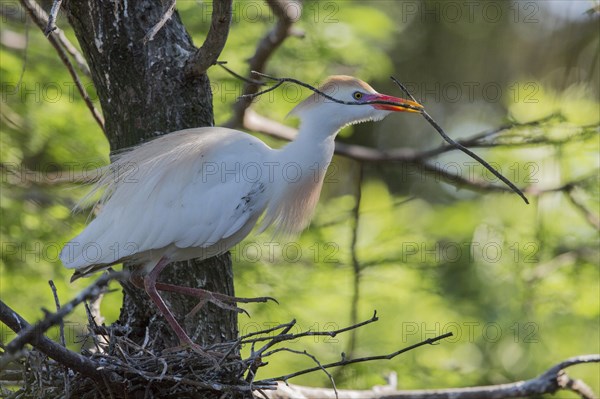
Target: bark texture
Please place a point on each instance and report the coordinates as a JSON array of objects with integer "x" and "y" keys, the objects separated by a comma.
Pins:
[{"x": 144, "y": 92}]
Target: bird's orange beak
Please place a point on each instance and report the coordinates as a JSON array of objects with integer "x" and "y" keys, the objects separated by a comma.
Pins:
[{"x": 395, "y": 104}]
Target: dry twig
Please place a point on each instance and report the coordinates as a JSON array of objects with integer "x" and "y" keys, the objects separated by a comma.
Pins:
[
  {"x": 422, "y": 111},
  {"x": 553, "y": 380},
  {"x": 72, "y": 360},
  {"x": 345, "y": 362},
  {"x": 26, "y": 335},
  {"x": 34, "y": 10},
  {"x": 51, "y": 27},
  {"x": 62, "y": 336},
  {"x": 461, "y": 147},
  {"x": 265, "y": 49},
  {"x": 589, "y": 215}
]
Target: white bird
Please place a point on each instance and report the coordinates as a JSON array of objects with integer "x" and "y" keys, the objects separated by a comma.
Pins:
[{"x": 196, "y": 193}]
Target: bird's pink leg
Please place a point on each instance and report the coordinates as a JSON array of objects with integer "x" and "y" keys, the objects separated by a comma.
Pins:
[{"x": 150, "y": 285}]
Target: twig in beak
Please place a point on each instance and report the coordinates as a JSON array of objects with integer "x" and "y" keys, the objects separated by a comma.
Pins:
[{"x": 461, "y": 147}]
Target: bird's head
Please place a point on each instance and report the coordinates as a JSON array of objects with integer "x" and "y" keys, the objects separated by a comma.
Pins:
[{"x": 358, "y": 97}]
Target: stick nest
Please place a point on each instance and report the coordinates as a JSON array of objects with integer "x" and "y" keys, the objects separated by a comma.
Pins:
[{"x": 179, "y": 371}]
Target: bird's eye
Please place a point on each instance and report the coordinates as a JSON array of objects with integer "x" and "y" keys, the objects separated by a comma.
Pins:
[{"x": 357, "y": 95}]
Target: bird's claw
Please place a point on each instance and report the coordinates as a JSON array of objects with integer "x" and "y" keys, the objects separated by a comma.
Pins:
[
  {"x": 218, "y": 303},
  {"x": 221, "y": 300},
  {"x": 234, "y": 299}
]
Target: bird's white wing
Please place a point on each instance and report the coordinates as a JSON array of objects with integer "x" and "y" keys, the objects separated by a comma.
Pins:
[{"x": 187, "y": 189}]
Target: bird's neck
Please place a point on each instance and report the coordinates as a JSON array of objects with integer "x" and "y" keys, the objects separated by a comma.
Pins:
[
  {"x": 303, "y": 164},
  {"x": 313, "y": 145}
]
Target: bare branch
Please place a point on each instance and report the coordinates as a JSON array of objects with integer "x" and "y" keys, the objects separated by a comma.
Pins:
[
  {"x": 284, "y": 336},
  {"x": 281, "y": 81},
  {"x": 590, "y": 217},
  {"x": 258, "y": 123},
  {"x": 51, "y": 27},
  {"x": 416, "y": 108},
  {"x": 255, "y": 360},
  {"x": 577, "y": 386},
  {"x": 477, "y": 139},
  {"x": 314, "y": 359},
  {"x": 207, "y": 55},
  {"x": 265, "y": 49},
  {"x": 551, "y": 381},
  {"x": 461, "y": 147},
  {"x": 72, "y": 360},
  {"x": 246, "y": 338},
  {"x": 27, "y": 335},
  {"x": 344, "y": 361},
  {"x": 256, "y": 356},
  {"x": 33, "y": 8},
  {"x": 62, "y": 335},
  {"x": 57, "y": 303},
  {"x": 261, "y": 124},
  {"x": 356, "y": 265},
  {"x": 42, "y": 19}
]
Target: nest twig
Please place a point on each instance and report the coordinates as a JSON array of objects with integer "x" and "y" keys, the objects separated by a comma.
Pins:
[{"x": 115, "y": 366}]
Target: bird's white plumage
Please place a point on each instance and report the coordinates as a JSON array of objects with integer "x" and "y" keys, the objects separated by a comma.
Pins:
[
  {"x": 197, "y": 192},
  {"x": 178, "y": 191}
]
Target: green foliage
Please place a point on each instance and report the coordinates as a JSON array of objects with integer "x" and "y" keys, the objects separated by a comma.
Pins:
[{"x": 518, "y": 285}]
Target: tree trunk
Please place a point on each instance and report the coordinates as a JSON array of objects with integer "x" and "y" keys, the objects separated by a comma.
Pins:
[{"x": 144, "y": 92}]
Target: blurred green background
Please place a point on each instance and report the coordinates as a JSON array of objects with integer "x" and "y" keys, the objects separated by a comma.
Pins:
[{"x": 517, "y": 284}]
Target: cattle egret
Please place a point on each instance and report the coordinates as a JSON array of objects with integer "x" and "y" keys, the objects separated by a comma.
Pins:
[{"x": 196, "y": 193}]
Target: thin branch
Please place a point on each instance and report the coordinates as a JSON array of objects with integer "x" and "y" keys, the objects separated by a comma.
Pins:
[
  {"x": 72, "y": 360},
  {"x": 345, "y": 362},
  {"x": 284, "y": 336},
  {"x": 258, "y": 123},
  {"x": 244, "y": 79},
  {"x": 281, "y": 81},
  {"x": 257, "y": 363},
  {"x": 34, "y": 10},
  {"x": 461, "y": 147},
  {"x": 549, "y": 267},
  {"x": 460, "y": 181},
  {"x": 265, "y": 49},
  {"x": 51, "y": 27},
  {"x": 207, "y": 55},
  {"x": 549, "y": 382},
  {"x": 314, "y": 359},
  {"x": 355, "y": 262},
  {"x": 577, "y": 386},
  {"x": 57, "y": 303},
  {"x": 27, "y": 335},
  {"x": 62, "y": 335},
  {"x": 42, "y": 19},
  {"x": 590, "y": 217},
  {"x": 246, "y": 338},
  {"x": 163, "y": 20},
  {"x": 477, "y": 139},
  {"x": 254, "y": 361},
  {"x": 421, "y": 110},
  {"x": 71, "y": 49},
  {"x": 261, "y": 124}
]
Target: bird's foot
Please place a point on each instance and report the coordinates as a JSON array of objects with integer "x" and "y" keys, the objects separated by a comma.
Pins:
[
  {"x": 221, "y": 300},
  {"x": 226, "y": 302}
]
